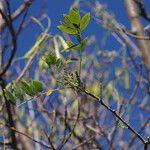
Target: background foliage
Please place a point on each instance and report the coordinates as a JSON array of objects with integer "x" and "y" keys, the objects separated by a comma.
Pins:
[{"x": 72, "y": 90}]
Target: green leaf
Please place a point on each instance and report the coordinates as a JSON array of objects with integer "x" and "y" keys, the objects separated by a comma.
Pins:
[
  {"x": 42, "y": 38},
  {"x": 74, "y": 46},
  {"x": 27, "y": 89},
  {"x": 42, "y": 63},
  {"x": 17, "y": 92},
  {"x": 71, "y": 60},
  {"x": 58, "y": 63},
  {"x": 10, "y": 97},
  {"x": 63, "y": 42},
  {"x": 109, "y": 92},
  {"x": 32, "y": 88},
  {"x": 1, "y": 94},
  {"x": 84, "y": 21},
  {"x": 67, "y": 29},
  {"x": 56, "y": 48},
  {"x": 49, "y": 92},
  {"x": 62, "y": 23},
  {"x": 75, "y": 5},
  {"x": 74, "y": 16},
  {"x": 126, "y": 80},
  {"x": 37, "y": 85},
  {"x": 83, "y": 44},
  {"x": 121, "y": 125},
  {"x": 71, "y": 45},
  {"x": 51, "y": 59},
  {"x": 67, "y": 21}
]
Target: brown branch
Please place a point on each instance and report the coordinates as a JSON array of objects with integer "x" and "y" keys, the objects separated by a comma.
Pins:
[
  {"x": 29, "y": 137},
  {"x": 26, "y": 68},
  {"x": 135, "y": 36},
  {"x": 84, "y": 142},
  {"x": 116, "y": 115},
  {"x": 21, "y": 9},
  {"x": 65, "y": 130},
  {"x": 10, "y": 115},
  {"x": 139, "y": 131},
  {"x": 51, "y": 143},
  {"x": 14, "y": 42},
  {"x": 74, "y": 86},
  {"x": 138, "y": 29},
  {"x": 71, "y": 132},
  {"x": 143, "y": 12},
  {"x": 1, "y": 30}
]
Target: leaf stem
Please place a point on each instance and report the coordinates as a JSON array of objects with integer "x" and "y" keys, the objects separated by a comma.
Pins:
[{"x": 80, "y": 61}]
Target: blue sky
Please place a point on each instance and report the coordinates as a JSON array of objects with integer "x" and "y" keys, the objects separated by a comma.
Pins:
[{"x": 55, "y": 10}]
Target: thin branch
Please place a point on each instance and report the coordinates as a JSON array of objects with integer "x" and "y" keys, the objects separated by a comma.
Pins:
[
  {"x": 84, "y": 142},
  {"x": 10, "y": 115},
  {"x": 111, "y": 110},
  {"x": 14, "y": 42},
  {"x": 139, "y": 131},
  {"x": 29, "y": 137},
  {"x": 135, "y": 36},
  {"x": 26, "y": 67},
  {"x": 143, "y": 12},
  {"x": 71, "y": 132},
  {"x": 116, "y": 115},
  {"x": 65, "y": 130},
  {"x": 22, "y": 22},
  {"x": 21, "y": 9},
  {"x": 53, "y": 147}
]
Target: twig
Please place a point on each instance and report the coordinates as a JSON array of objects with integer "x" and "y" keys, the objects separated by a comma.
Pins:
[
  {"x": 135, "y": 36},
  {"x": 29, "y": 137},
  {"x": 22, "y": 22},
  {"x": 71, "y": 132},
  {"x": 111, "y": 110},
  {"x": 142, "y": 9},
  {"x": 26, "y": 67},
  {"x": 84, "y": 142},
  {"x": 14, "y": 41},
  {"x": 65, "y": 130},
  {"x": 139, "y": 131},
  {"x": 21, "y": 9},
  {"x": 10, "y": 115},
  {"x": 53, "y": 147},
  {"x": 116, "y": 115}
]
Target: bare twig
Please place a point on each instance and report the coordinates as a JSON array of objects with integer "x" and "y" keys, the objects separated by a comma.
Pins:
[
  {"x": 139, "y": 131},
  {"x": 29, "y": 137},
  {"x": 21, "y": 9},
  {"x": 84, "y": 142},
  {"x": 71, "y": 132},
  {"x": 14, "y": 41},
  {"x": 112, "y": 111}
]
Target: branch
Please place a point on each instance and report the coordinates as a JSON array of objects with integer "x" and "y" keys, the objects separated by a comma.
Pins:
[
  {"x": 71, "y": 132},
  {"x": 84, "y": 142},
  {"x": 74, "y": 86},
  {"x": 21, "y": 9},
  {"x": 138, "y": 29},
  {"x": 135, "y": 36},
  {"x": 139, "y": 131},
  {"x": 29, "y": 137},
  {"x": 115, "y": 114},
  {"x": 14, "y": 42},
  {"x": 142, "y": 9},
  {"x": 26, "y": 68},
  {"x": 10, "y": 115}
]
